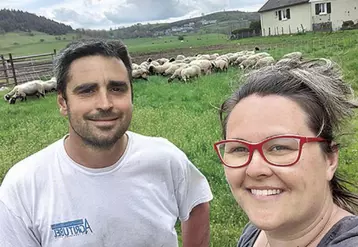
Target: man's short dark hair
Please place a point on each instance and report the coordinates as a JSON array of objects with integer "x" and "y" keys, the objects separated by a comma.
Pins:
[{"x": 89, "y": 47}]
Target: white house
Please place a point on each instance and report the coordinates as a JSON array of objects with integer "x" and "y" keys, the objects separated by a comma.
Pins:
[{"x": 292, "y": 16}]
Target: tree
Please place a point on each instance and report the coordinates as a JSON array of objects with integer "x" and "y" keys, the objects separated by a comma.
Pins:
[{"x": 255, "y": 25}]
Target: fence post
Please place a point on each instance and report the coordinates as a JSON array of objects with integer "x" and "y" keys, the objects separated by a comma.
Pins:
[
  {"x": 54, "y": 51},
  {"x": 5, "y": 69},
  {"x": 13, "y": 68}
]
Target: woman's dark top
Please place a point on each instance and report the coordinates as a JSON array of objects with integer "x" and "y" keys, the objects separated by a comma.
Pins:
[{"x": 343, "y": 234}]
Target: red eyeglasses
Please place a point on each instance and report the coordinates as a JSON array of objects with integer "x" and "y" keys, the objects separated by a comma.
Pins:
[{"x": 282, "y": 150}]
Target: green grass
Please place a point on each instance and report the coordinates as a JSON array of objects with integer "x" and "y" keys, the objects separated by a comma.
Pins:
[
  {"x": 186, "y": 115},
  {"x": 27, "y": 45},
  {"x": 21, "y": 44}
]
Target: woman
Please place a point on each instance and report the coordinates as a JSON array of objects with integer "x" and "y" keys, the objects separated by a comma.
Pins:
[{"x": 280, "y": 156}]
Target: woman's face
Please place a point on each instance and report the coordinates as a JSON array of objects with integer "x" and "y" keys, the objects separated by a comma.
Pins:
[{"x": 303, "y": 189}]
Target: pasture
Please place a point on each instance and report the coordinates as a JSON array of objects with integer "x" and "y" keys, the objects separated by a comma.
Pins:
[{"x": 185, "y": 114}]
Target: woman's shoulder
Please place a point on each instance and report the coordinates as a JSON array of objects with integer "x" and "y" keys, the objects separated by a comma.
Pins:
[
  {"x": 343, "y": 234},
  {"x": 248, "y": 236}
]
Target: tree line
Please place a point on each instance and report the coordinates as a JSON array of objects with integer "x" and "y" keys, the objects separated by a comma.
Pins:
[{"x": 18, "y": 20}]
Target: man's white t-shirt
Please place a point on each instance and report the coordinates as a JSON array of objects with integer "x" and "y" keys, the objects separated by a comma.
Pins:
[{"x": 49, "y": 200}]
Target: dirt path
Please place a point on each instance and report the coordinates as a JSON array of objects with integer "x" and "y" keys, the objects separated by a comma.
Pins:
[{"x": 141, "y": 57}]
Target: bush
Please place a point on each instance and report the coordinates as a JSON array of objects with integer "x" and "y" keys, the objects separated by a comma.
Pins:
[
  {"x": 181, "y": 37},
  {"x": 347, "y": 25},
  {"x": 42, "y": 40}
]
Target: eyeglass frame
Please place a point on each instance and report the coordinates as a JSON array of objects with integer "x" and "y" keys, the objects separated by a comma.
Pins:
[{"x": 252, "y": 146}]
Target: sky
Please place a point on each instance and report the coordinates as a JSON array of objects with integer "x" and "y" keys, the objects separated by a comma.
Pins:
[{"x": 105, "y": 14}]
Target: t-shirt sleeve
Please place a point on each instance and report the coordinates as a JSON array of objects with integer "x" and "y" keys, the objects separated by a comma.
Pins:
[
  {"x": 13, "y": 231},
  {"x": 193, "y": 189}
]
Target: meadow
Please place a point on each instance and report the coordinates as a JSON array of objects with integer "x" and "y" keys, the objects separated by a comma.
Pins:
[{"x": 185, "y": 114}]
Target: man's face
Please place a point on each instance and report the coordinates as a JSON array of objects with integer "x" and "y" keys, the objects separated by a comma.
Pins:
[{"x": 98, "y": 103}]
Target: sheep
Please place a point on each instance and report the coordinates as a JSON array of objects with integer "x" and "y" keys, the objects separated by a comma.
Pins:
[
  {"x": 50, "y": 85},
  {"x": 172, "y": 68},
  {"x": 248, "y": 63},
  {"x": 252, "y": 60},
  {"x": 214, "y": 56},
  {"x": 180, "y": 57},
  {"x": 233, "y": 58},
  {"x": 224, "y": 57},
  {"x": 203, "y": 57},
  {"x": 145, "y": 65},
  {"x": 262, "y": 62},
  {"x": 162, "y": 61},
  {"x": 220, "y": 65},
  {"x": 295, "y": 55},
  {"x": 135, "y": 66},
  {"x": 205, "y": 65},
  {"x": 287, "y": 62},
  {"x": 190, "y": 72},
  {"x": 3, "y": 89},
  {"x": 177, "y": 73},
  {"x": 156, "y": 70},
  {"x": 26, "y": 89},
  {"x": 240, "y": 59},
  {"x": 189, "y": 59},
  {"x": 140, "y": 74}
]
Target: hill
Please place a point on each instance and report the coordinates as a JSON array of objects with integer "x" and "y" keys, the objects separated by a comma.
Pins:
[
  {"x": 219, "y": 22},
  {"x": 17, "y": 20}
]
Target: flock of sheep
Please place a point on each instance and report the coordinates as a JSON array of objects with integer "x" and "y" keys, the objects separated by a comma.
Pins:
[
  {"x": 181, "y": 68},
  {"x": 36, "y": 87},
  {"x": 185, "y": 68}
]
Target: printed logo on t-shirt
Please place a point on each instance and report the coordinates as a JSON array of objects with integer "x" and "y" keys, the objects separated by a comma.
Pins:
[{"x": 71, "y": 228}]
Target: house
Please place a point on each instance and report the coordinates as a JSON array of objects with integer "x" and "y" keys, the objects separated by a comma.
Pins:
[
  {"x": 293, "y": 16},
  {"x": 205, "y": 22}
]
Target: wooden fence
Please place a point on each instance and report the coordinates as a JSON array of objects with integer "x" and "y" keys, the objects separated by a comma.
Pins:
[{"x": 17, "y": 70}]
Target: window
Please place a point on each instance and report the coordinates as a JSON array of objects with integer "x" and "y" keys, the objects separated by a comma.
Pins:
[
  {"x": 323, "y": 8},
  {"x": 284, "y": 14}
]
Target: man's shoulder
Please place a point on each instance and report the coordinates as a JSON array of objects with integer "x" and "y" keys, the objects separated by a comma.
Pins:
[
  {"x": 31, "y": 164},
  {"x": 343, "y": 234}
]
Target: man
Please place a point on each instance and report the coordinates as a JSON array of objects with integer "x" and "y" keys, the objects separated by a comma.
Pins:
[{"x": 102, "y": 185}]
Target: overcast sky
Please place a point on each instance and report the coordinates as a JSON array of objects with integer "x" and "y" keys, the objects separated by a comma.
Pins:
[{"x": 98, "y": 14}]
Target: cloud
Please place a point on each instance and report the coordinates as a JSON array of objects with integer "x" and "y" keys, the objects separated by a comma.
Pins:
[
  {"x": 146, "y": 10},
  {"x": 85, "y": 19},
  {"x": 114, "y": 13}
]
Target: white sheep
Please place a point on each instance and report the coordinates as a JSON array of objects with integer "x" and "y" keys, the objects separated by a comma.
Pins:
[
  {"x": 177, "y": 73},
  {"x": 287, "y": 62},
  {"x": 180, "y": 57},
  {"x": 190, "y": 72},
  {"x": 50, "y": 85},
  {"x": 170, "y": 71},
  {"x": 220, "y": 65},
  {"x": 205, "y": 66},
  {"x": 26, "y": 89},
  {"x": 159, "y": 70},
  {"x": 240, "y": 59},
  {"x": 294, "y": 55},
  {"x": 140, "y": 73},
  {"x": 3, "y": 89},
  {"x": 162, "y": 61},
  {"x": 248, "y": 63},
  {"x": 265, "y": 61}
]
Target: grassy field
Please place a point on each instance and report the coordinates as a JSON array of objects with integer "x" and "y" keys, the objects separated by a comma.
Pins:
[
  {"x": 186, "y": 115},
  {"x": 22, "y": 44}
]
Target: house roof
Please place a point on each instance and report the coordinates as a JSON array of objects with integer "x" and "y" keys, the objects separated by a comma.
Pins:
[{"x": 276, "y": 4}]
